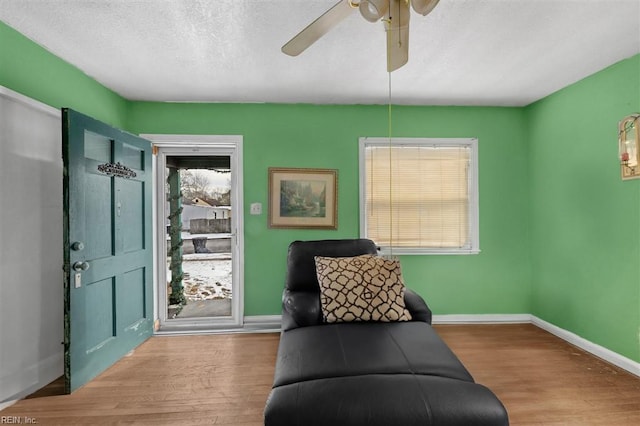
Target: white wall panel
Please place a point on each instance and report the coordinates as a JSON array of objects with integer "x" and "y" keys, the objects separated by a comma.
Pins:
[{"x": 31, "y": 289}]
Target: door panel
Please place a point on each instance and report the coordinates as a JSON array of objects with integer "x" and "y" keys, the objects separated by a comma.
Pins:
[
  {"x": 131, "y": 194},
  {"x": 99, "y": 318},
  {"x": 98, "y": 220},
  {"x": 131, "y": 298},
  {"x": 108, "y": 249}
]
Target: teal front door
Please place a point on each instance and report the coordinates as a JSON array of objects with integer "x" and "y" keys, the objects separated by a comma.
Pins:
[{"x": 108, "y": 258}]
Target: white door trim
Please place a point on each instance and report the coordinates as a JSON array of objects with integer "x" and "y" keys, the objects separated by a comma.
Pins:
[{"x": 199, "y": 145}]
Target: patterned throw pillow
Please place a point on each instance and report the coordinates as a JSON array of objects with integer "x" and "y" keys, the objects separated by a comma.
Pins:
[{"x": 361, "y": 288}]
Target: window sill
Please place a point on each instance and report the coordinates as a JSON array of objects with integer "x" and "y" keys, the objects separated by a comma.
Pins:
[{"x": 387, "y": 251}]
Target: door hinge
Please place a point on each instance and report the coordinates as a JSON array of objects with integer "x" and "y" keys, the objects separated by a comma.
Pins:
[{"x": 154, "y": 149}]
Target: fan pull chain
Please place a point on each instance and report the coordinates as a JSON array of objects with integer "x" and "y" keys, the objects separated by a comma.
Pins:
[{"x": 390, "y": 171}]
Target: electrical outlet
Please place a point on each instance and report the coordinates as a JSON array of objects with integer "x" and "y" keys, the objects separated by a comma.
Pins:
[{"x": 256, "y": 208}]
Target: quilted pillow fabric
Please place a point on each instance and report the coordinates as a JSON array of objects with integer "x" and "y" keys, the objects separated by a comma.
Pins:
[{"x": 361, "y": 288}]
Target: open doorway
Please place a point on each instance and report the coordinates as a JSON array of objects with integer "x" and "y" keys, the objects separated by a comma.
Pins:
[{"x": 199, "y": 232}]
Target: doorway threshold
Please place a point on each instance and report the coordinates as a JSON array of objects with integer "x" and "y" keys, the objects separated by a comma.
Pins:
[{"x": 260, "y": 324}]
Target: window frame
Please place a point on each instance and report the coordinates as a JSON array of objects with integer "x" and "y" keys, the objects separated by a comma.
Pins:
[{"x": 473, "y": 194}]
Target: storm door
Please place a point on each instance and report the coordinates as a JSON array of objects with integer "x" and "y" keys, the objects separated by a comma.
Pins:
[{"x": 199, "y": 237}]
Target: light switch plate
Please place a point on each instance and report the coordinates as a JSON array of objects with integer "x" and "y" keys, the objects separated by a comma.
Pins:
[{"x": 256, "y": 208}]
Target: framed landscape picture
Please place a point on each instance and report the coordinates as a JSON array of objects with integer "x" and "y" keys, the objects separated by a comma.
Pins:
[{"x": 303, "y": 198}]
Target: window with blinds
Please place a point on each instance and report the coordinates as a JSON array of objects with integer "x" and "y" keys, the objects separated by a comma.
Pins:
[{"x": 419, "y": 195}]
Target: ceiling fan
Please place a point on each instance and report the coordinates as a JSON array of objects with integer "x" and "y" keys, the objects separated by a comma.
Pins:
[{"x": 394, "y": 14}]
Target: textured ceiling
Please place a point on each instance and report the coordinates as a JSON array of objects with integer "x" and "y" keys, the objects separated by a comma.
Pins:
[{"x": 466, "y": 52}]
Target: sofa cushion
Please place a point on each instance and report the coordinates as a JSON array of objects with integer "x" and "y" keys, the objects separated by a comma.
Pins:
[
  {"x": 384, "y": 400},
  {"x": 363, "y": 348},
  {"x": 361, "y": 288}
]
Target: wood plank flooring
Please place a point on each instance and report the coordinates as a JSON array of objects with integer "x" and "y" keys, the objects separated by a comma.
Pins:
[
  {"x": 225, "y": 380},
  {"x": 543, "y": 380}
]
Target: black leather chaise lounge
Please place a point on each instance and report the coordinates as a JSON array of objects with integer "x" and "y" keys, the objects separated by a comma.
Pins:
[{"x": 374, "y": 373}]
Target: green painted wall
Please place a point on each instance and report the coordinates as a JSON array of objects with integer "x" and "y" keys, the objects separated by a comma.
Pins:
[
  {"x": 559, "y": 231},
  {"x": 326, "y": 136},
  {"x": 31, "y": 70},
  {"x": 585, "y": 219}
]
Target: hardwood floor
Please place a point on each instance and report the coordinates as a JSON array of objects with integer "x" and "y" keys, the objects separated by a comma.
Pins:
[
  {"x": 225, "y": 380},
  {"x": 543, "y": 380}
]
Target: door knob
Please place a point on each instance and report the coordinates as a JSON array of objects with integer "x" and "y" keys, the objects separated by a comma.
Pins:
[
  {"x": 77, "y": 246},
  {"x": 80, "y": 266}
]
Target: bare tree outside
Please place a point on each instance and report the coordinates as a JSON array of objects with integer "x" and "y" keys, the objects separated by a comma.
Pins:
[{"x": 211, "y": 186}]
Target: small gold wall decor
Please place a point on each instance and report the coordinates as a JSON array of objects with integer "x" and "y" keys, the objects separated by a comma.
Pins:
[{"x": 629, "y": 146}]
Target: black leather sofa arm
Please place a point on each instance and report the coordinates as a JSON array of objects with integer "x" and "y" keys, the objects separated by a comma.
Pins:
[
  {"x": 300, "y": 309},
  {"x": 417, "y": 306}
]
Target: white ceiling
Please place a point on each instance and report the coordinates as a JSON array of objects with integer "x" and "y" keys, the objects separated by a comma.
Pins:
[{"x": 466, "y": 52}]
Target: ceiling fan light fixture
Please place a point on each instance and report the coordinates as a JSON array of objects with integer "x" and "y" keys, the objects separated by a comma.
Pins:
[
  {"x": 373, "y": 10},
  {"x": 423, "y": 7}
]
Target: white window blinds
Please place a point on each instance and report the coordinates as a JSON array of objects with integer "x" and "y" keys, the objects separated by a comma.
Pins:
[{"x": 419, "y": 195}]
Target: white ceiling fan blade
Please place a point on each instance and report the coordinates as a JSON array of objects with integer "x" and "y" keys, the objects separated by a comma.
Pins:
[
  {"x": 423, "y": 7},
  {"x": 397, "y": 26},
  {"x": 318, "y": 28}
]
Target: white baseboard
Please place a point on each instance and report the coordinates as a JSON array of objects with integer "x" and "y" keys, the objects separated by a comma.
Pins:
[
  {"x": 274, "y": 322},
  {"x": 33, "y": 378},
  {"x": 7, "y": 404},
  {"x": 601, "y": 352},
  {"x": 582, "y": 343},
  {"x": 482, "y": 319},
  {"x": 263, "y": 323}
]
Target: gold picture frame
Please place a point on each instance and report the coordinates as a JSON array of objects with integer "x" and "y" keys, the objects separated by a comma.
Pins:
[
  {"x": 629, "y": 146},
  {"x": 303, "y": 198}
]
